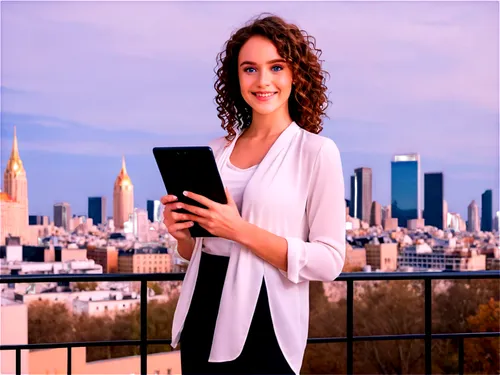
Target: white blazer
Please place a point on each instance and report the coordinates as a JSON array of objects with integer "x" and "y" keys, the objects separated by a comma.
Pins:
[{"x": 297, "y": 192}]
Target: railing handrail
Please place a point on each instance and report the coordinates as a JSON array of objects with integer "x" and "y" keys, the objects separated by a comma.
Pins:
[
  {"x": 179, "y": 276},
  {"x": 350, "y": 338}
]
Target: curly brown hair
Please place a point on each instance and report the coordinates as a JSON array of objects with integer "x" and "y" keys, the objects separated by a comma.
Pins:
[{"x": 308, "y": 100}]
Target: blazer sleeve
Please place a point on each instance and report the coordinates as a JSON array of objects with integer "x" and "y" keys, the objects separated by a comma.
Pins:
[{"x": 322, "y": 257}]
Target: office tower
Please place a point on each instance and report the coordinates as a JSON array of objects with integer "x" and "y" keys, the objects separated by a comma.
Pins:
[
  {"x": 154, "y": 210},
  {"x": 445, "y": 214},
  {"x": 361, "y": 193},
  {"x": 140, "y": 224},
  {"x": 487, "y": 211},
  {"x": 123, "y": 198},
  {"x": 38, "y": 220},
  {"x": 62, "y": 215},
  {"x": 405, "y": 188},
  {"x": 14, "y": 219},
  {"x": 473, "y": 217},
  {"x": 433, "y": 199},
  {"x": 386, "y": 212},
  {"x": 97, "y": 210},
  {"x": 352, "y": 208},
  {"x": 376, "y": 214}
]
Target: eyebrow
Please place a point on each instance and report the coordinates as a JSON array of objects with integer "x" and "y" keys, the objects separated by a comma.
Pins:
[{"x": 269, "y": 62}]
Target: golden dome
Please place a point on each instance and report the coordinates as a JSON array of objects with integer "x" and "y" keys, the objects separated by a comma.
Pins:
[
  {"x": 15, "y": 164},
  {"x": 123, "y": 178}
]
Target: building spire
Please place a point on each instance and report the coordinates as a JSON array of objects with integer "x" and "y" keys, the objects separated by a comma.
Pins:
[
  {"x": 15, "y": 164},
  {"x": 123, "y": 177},
  {"x": 15, "y": 148},
  {"x": 124, "y": 167}
]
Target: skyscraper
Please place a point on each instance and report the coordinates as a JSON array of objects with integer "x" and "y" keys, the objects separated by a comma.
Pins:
[
  {"x": 433, "y": 199},
  {"x": 123, "y": 197},
  {"x": 352, "y": 202},
  {"x": 376, "y": 214},
  {"x": 487, "y": 211},
  {"x": 361, "y": 194},
  {"x": 62, "y": 215},
  {"x": 97, "y": 210},
  {"x": 153, "y": 207},
  {"x": 405, "y": 188},
  {"x": 473, "y": 217},
  {"x": 14, "y": 219}
]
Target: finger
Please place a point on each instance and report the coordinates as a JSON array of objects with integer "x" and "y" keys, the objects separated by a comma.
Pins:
[
  {"x": 182, "y": 217},
  {"x": 200, "y": 199},
  {"x": 168, "y": 198},
  {"x": 198, "y": 211},
  {"x": 173, "y": 206},
  {"x": 179, "y": 226}
]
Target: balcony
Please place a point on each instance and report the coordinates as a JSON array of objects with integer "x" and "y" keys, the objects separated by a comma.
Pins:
[{"x": 349, "y": 339}]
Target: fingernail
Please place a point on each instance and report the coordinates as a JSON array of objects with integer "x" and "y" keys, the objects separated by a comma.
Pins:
[{"x": 185, "y": 193}]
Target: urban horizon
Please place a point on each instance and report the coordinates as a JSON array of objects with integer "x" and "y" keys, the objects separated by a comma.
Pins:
[{"x": 392, "y": 92}]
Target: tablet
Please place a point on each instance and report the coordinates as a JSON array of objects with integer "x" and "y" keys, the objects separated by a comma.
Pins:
[{"x": 190, "y": 169}]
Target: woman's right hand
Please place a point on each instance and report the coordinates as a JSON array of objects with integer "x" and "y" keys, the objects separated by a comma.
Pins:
[{"x": 174, "y": 221}]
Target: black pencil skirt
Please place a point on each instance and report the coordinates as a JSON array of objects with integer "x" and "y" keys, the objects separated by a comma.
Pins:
[{"x": 261, "y": 353}]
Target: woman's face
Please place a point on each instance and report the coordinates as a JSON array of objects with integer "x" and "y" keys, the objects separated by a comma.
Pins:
[{"x": 265, "y": 77}]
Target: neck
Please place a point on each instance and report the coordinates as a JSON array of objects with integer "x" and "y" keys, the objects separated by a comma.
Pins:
[{"x": 264, "y": 126}]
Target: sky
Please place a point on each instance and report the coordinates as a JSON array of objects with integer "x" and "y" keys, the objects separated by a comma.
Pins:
[{"x": 87, "y": 82}]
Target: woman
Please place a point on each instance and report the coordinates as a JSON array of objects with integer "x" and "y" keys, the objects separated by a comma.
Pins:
[{"x": 244, "y": 305}]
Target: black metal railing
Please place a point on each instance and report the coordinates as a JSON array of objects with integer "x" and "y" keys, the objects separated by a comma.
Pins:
[{"x": 349, "y": 278}]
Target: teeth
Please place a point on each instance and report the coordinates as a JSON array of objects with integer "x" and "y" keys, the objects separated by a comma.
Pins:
[{"x": 265, "y": 95}]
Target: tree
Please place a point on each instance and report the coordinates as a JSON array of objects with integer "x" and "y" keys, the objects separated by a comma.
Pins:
[
  {"x": 389, "y": 308},
  {"x": 157, "y": 289},
  {"x": 50, "y": 322},
  {"x": 482, "y": 355},
  {"x": 82, "y": 285}
]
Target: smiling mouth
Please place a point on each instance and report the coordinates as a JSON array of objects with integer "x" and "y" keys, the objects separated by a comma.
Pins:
[{"x": 264, "y": 95}]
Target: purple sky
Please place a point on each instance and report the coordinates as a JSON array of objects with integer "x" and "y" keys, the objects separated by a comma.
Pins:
[{"x": 86, "y": 82}]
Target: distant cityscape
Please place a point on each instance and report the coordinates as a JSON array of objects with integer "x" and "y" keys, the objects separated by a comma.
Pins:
[{"x": 403, "y": 236}]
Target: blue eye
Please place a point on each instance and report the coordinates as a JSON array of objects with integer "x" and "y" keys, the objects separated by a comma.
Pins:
[
  {"x": 248, "y": 70},
  {"x": 277, "y": 68}
]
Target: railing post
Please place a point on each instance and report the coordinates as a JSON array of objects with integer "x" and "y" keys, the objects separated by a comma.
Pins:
[
  {"x": 144, "y": 327},
  {"x": 350, "y": 325},
  {"x": 68, "y": 370},
  {"x": 461, "y": 356},
  {"x": 18, "y": 361},
  {"x": 428, "y": 325}
]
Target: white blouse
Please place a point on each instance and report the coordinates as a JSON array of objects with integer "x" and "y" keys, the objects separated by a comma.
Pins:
[{"x": 297, "y": 192}]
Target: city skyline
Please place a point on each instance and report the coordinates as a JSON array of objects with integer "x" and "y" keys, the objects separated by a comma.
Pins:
[{"x": 102, "y": 87}]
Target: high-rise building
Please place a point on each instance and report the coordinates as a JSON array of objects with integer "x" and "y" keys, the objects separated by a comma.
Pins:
[
  {"x": 140, "y": 224},
  {"x": 376, "y": 214},
  {"x": 405, "y": 188},
  {"x": 445, "y": 214},
  {"x": 123, "y": 198},
  {"x": 361, "y": 194},
  {"x": 487, "y": 211},
  {"x": 154, "y": 210},
  {"x": 433, "y": 200},
  {"x": 352, "y": 201},
  {"x": 14, "y": 219},
  {"x": 38, "y": 220},
  {"x": 473, "y": 217},
  {"x": 97, "y": 210},
  {"x": 62, "y": 215}
]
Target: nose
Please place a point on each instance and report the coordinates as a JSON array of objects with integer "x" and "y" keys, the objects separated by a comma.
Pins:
[{"x": 264, "y": 78}]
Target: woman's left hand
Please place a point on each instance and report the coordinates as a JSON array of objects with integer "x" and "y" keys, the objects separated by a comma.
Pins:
[{"x": 221, "y": 220}]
